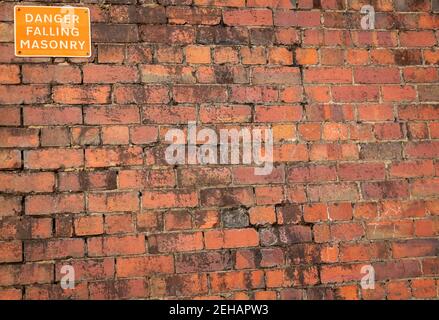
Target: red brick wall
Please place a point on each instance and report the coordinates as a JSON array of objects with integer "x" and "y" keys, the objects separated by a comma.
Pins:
[{"x": 354, "y": 114}]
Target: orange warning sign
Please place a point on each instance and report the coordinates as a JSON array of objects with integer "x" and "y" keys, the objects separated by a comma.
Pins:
[{"x": 42, "y": 31}]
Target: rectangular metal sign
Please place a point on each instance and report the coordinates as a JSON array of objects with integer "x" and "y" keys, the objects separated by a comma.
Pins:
[{"x": 42, "y": 31}]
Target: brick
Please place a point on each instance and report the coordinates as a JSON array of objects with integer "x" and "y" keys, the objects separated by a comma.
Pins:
[
  {"x": 175, "y": 242},
  {"x": 225, "y": 55},
  {"x": 289, "y": 234},
  {"x": 168, "y": 199},
  {"x": 111, "y": 115},
  {"x": 376, "y": 75},
  {"x": 204, "y": 176},
  {"x": 11, "y": 294},
  {"x": 110, "y": 33},
  {"x": 140, "y": 179},
  {"x": 143, "y": 134},
  {"x": 54, "y": 249},
  {"x": 116, "y": 245},
  {"x": 139, "y": 54},
  {"x": 415, "y": 248},
  {"x": 262, "y": 215},
  {"x": 248, "y": 17},
  {"x": 24, "y": 94},
  {"x": 315, "y": 212},
  {"x": 177, "y": 220},
  {"x": 278, "y": 113},
  {"x": 179, "y": 285},
  {"x": 167, "y": 74},
  {"x": 253, "y": 94},
  {"x": 111, "y": 156},
  {"x": 297, "y": 18},
  {"x": 423, "y": 288},
  {"x": 137, "y": 14},
  {"x": 289, "y": 213},
  {"x": 118, "y": 289},
  {"x": 208, "y": 261},
  {"x": 109, "y": 74},
  {"x": 10, "y": 206},
  {"x": 91, "y": 225},
  {"x": 290, "y": 152},
  {"x": 85, "y": 136},
  {"x": 89, "y": 269},
  {"x": 167, "y": 34},
  {"x": 55, "y": 74},
  {"x": 246, "y": 175},
  {"x": 52, "y": 116},
  {"x": 377, "y": 151},
  {"x": 115, "y": 135},
  {"x": 82, "y": 180},
  {"x": 312, "y": 173},
  {"x": 307, "y": 56},
  {"x": 233, "y": 238},
  {"x": 424, "y": 187},
  {"x": 237, "y": 280},
  {"x": 10, "y": 116},
  {"x": 221, "y": 3},
  {"x": 427, "y": 93},
  {"x": 27, "y": 182},
  {"x": 377, "y": 112},
  {"x": 53, "y": 158},
  {"x": 363, "y": 171},
  {"x": 389, "y": 230},
  {"x": 10, "y": 159},
  {"x": 385, "y": 189},
  {"x": 397, "y": 269},
  {"x": 226, "y": 197},
  {"x": 168, "y": 114},
  {"x": 276, "y": 75},
  {"x": 414, "y": 74},
  {"x": 333, "y": 192},
  {"x": 225, "y": 114},
  {"x": 332, "y": 57},
  {"x": 253, "y": 55},
  {"x": 81, "y": 94},
  {"x": 421, "y": 150},
  {"x": 18, "y": 137},
  {"x": 355, "y": 93},
  {"x": 407, "y": 169},
  {"x": 58, "y": 203},
  {"x": 118, "y": 223},
  {"x": 398, "y": 93},
  {"x": 55, "y": 137},
  {"x": 417, "y": 39},
  {"x": 109, "y": 53},
  {"x": 292, "y": 276},
  {"x": 201, "y": 93},
  {"x": 24, "y": 274},
  {"x": 10, "y": 251},
  {"x": 139, "y": 266},
  {"x": 10, "y": 74},
  {"x": 113, "y": 202}
]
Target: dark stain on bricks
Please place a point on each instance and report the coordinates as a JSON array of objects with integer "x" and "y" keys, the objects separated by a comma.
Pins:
[
  {"x": 84, "y": 180},
  {"x": 317, "y": 4},
  {"x": 235, "y": 218},
  {"x": 223, "y": 75},
  {"x": 289, "y": 213},
  {"x": 407, "y": 57}
]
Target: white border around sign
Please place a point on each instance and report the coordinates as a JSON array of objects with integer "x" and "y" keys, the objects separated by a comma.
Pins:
[{"x": 51, "y": 56}]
